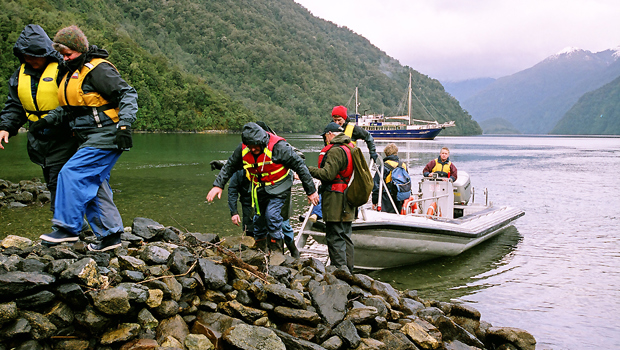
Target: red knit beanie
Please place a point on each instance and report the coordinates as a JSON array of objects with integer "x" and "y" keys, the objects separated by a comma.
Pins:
[{"x": 340, "y": 111}]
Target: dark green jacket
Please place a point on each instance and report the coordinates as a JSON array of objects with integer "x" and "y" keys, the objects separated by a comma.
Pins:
[{"x": 335, "y": 207}]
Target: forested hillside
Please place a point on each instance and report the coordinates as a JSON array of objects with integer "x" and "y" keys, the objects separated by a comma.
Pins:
[
  {"x": 201, "y": 64},
  {"x": 596, "y": 113}
]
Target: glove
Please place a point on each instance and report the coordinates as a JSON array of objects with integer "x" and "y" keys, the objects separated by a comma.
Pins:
[
  {"x": 123, "y": 137},
  {"x": 38, "y": 126},
  {"x": 374, "y": 157}
]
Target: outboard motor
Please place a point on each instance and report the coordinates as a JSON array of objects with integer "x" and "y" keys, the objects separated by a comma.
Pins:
[{"x": 462, "y": 189}]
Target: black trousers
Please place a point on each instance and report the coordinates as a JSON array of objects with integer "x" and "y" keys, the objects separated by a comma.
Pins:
[{"x": 339, "y": 244}]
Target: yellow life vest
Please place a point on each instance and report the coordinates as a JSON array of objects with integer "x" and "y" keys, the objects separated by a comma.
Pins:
[
  {"x": 442, "y": 169},
  {"x": 348, "y": 130},
  {"x": 71, "y": 93},
  {"x": 47, "y": 92}
]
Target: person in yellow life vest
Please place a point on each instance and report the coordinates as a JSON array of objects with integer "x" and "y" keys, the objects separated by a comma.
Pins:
[
  {"x": 442, "y": 166},
  {"x": 100, "y": 107},
  {"x": 32, "y": 93},
  {"x": 391, "y": 161},
  {"x": 268, "y": 160}
]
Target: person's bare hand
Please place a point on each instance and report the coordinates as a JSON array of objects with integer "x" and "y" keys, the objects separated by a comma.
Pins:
[
  {"x": 4, "y": 137},
  {"x": 313, "y": 198},
  {"x": 215, "y": 191},
  {"x": 236, "y": 219}
]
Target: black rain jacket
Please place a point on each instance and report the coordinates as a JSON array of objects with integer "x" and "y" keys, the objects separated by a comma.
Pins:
[{"x": 55, "y": 145}]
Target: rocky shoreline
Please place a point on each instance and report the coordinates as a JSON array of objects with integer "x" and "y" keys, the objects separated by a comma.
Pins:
[
  {"x": 167, "y": 289},
  {"x": 23, "y": 193}
]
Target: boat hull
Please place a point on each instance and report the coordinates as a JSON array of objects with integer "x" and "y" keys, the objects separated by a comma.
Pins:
[
  {"x": 384, "y": 240},
  {"x": 402, "y": 134}
]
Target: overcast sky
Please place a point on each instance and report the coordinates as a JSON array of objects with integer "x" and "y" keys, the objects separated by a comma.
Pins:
[{"x": 462, "y": 39}]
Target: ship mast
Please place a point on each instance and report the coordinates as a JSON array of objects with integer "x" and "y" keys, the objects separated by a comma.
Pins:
[
  {"x": 356, "y": 102},
  {"x": 409, "y": 110}
]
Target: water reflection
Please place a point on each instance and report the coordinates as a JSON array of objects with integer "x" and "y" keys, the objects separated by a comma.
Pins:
[{"x": 454, "y": 277}]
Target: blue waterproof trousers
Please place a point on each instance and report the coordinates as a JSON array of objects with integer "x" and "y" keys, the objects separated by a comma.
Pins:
[
  {"x": 269, "y": 221},
  {"x": 83, "y": 189}
]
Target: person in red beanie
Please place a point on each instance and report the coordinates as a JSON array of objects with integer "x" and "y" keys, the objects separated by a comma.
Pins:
[{"x": 340, "y": 117}]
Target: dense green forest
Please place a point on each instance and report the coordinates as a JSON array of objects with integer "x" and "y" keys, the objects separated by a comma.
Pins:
[
  {"x": 201, "y": 64},
  {"x": 596, "y": 113}
]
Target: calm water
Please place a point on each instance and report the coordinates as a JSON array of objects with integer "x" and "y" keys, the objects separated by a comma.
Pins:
[{"x": 554, "y": 273}]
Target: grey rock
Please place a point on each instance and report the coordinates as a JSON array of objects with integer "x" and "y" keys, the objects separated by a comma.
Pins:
[
  {"x": 173, "y": 327},
  {"x": 452, "y": 331},
  {"x": 180, "y": 260},
  {"x": 84, "y": 270},
  {"x": 55, "y": 267},
  {"x": 292, "y": 342},
  {"x": 124, "y": 333},
  {"x": 361, "y": 315},
  {"x": 198, "y": 342},
  {"x": 30, "y": 345},
  {"x": 72, "y": 344},
  {"x": 333, "y": 343},
  {"x": 15, "y": 241},
  {"x": 18, "y": 327},
  {"x": 348, "y": 333},
  {"x": 248, "y": 337},
  {"x": 135, "y": 292},
  {"x": 394, "y": 341},
  {"x": 167, "y": 308},
  {"x": 91, "y": 320},
  {"x": 8, "y": 312},
  {"x": 246, "y": 313},
  {"x": 213, "y": 275},
  {"x": 73, "y": 295},
  {"x": 42, "y": 328},
  {"x": 330, "y": 301},
  {"x": 296, "y": 315},
  {"x": 112, "y": 301},
  {"x": 133, "y": 276},
  {"x": 519, "y": 337},
  {"x": 285, "y": 296},
  {"x": 146, "y": 228},
  {"x": 410, "y": 307},
  {"x": 16, "y": 282},
  {"x": 36, "y": 300},
  {"x": 153, "y": 254},
  {"x": 127, "y": 262},
  {"x": 204, "y": 237},
  {"x": 465, "y": 311},
  {"x": 61, "y": 315},
  {"x": 147, "y": 320},
  {"x": 101, "y": 258},
  {"x": 386, "y": 291}
]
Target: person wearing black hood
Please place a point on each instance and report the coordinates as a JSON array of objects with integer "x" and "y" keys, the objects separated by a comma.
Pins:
[
  {"x": 100, "y": 107},
  {"x": 32, "y": 93},
  {"x": 269, "y": 160}
]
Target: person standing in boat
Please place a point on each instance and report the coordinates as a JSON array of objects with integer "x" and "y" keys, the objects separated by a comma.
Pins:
[
  {"x": 355, "y": 132},
  {"x": 269, "y": 160},
  {"x": 100, "y": 107},
  {"x": 442, "y": 166},
  {"x": 32, "y": 93},
  {"x": 390, "y": 161},
  {"x": 334, "y": 169}
]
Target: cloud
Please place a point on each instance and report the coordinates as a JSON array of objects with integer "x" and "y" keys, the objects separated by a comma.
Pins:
[{"x": 452, "y": 39}]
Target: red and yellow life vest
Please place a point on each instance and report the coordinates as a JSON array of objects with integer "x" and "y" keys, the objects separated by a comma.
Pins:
[
  {"x": 340, "y": 183},
  {"x": 262, "y": 171},
  {"x": 71, "y": 94},
  {"x": 348, "y": 130},
  {"x": 46, "y": 96},
  {"x": 442, "y": 170}
]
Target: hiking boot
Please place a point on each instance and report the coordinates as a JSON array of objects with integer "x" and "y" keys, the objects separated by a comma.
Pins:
[
  {"x": 59, "y": 235},
  {"x": 261, "y": 244},
  {"x": 276, "y": 245},
  {"x": 290, "y": 244},
  {"x": 110, "y": 242}
]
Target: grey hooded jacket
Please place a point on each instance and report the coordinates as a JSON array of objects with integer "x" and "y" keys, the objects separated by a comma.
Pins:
[
  {"x": 55, "y": 145},
  {"x": 283, "y": 153}
]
